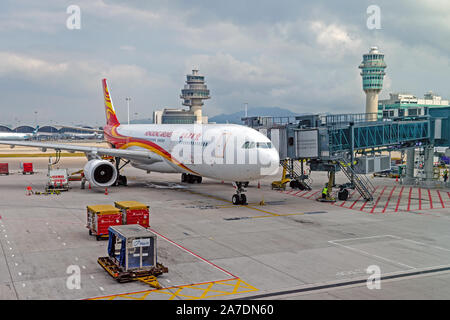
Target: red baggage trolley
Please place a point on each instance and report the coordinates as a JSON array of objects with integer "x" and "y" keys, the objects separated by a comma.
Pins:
[
  {"x": 4, "y": 168},
  {"x": 27, "y": 167},
  {"x": 134, "y": 212},
  {"x": 100, "y": 218}
]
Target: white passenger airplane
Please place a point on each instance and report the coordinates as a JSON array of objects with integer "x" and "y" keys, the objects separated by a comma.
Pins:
[
  {"x": 15, "y": 136},
  {"x": 223, "y": 152}
]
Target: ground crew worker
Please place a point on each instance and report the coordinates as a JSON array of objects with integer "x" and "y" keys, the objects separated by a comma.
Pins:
[
  {"x": 445, "y": 175},
  {"x": 325, "y": 192}
]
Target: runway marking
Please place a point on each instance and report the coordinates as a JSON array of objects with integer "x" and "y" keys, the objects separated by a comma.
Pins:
[
  {"x": 248, "y": 206},
  {"x": 409, "y": 199},
  {"x": 313, "y": 194},
  {"x": 399, "y": 198},
  {"x": 440, "y": 199},
  {"x": 218, "y": 287},
  {"x": 420, "y": 199},
  {"x": 198, "y": 291},
  {"x": 431, "y": 200},
  {"x": 378, "y": 200},
  {"x": 389, "y": 199},
  {"x": 367, "y": 253},
  {"x": 359, "y": 197},
  {"x": 396, "y": 200}
]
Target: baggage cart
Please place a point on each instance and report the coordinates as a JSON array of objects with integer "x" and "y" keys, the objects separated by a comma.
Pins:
[
  {"x": 100, "y": 218},
  {"x": 132, "y": 254},
  {"x": 58, "y": 180},
  {"x": 4, "y": 168},
  {"x": 134, "y": 212},
  {"x": 27, "y": 168}
]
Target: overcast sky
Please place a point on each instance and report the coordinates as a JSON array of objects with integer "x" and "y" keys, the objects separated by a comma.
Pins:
[{"x": 299, "y": 55}]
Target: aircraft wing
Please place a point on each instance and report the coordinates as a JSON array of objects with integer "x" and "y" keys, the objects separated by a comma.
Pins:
[{"x": 89, "y": 151}]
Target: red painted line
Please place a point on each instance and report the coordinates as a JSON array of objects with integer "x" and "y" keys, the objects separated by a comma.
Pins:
[
  {"x": 420, "y": 199},
  {"x": 389, "y": 199},
  {"x": 313, "y": 194},
  {"x": 351, "y": 207},
  {"x": 367, "y": 200},
  {"x": 431, "y": 200},
  {"x": 195, "y": 255},
  {"x": 361, "y": 209},
  {"x": 301, "y": 195},
  {"x": 440, "y": 199},
  {"x": 379, "y": 197},
  {"x": 342, "y": 204},
  {"x": 164, "y": 288},
  {"x": 294, "y": 194},
  {"x": 399, "y": 198},
  {"x": 448, "y": 193},
  {"x": 307, "y": 191},
  {"x": 409, "y": 199}
]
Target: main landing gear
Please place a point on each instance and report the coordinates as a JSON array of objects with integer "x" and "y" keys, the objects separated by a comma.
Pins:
[
  {"x": 190, "y": 178},
  {"x": 239, "y": 198},
  {"x": 121, "y": 180}
]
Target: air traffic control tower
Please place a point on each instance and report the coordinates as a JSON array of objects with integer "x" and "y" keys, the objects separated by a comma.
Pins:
[
  {"x": 193, "y": 94},
  {"x": 372, "y": 72}
]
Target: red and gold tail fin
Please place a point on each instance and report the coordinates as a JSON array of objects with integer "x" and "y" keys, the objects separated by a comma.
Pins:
[{"x": 111, "y": 118}]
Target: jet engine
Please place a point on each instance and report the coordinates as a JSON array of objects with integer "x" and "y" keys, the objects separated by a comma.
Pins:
[{"x": 100, "y": 173}]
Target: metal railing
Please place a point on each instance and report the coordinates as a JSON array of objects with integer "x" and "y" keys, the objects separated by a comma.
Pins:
[{"x": 360, "y": 181}]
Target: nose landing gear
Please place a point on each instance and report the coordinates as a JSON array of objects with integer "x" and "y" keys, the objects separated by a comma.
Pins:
[{"x": 239, "y": 198}]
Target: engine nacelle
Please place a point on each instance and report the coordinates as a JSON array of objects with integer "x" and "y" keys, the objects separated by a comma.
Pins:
[{"x": 100, "y": 173}]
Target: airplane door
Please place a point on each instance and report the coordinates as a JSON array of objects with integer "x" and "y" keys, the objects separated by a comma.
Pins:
[{"x": 221, "y": 144}]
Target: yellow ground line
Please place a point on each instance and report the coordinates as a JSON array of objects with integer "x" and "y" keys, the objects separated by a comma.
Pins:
[
  {"x": 280, "y": 215},
  {"x": 245, "y": 206},
  {"x": 238, "y": 284}
]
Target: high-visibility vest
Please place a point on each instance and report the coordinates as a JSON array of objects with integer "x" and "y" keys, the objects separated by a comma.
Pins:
[{"x": 325, "y": 190}]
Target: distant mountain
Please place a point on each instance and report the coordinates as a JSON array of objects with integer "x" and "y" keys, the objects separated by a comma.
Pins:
[{"x": 252, "y": 112}]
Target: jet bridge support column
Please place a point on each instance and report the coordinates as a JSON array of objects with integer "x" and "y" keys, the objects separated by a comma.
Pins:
[
  {"x": 428, "y": 164},
  {"x": 410, "y": 155}
]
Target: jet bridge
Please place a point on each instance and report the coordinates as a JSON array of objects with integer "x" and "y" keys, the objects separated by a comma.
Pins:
[{"x": 331, "y": 142}]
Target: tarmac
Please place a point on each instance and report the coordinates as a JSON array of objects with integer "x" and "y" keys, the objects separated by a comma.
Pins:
[{"x": 283, "y": 245}]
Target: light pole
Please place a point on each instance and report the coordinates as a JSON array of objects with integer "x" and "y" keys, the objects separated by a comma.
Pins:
[
  {"x": 128, "y": 107},
  {"x": 35, "y": 118},
  {"x": 246, "y": 108}
]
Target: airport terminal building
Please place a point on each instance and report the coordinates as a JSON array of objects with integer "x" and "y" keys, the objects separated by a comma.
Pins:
[{"x": 404, "y": 104}]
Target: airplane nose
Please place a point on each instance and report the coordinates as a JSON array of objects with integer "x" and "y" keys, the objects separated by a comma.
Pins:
[{"x": 270, "y": 161}]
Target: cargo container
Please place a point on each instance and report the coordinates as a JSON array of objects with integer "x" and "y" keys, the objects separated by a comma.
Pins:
[
  {"x": 134, "y": 212},
  {"x": 57, "y": 180},
  {"x": 132, "y": 253},
  {"x": 4, "y": 168},
  {"x": 100, "y": 218},
  {"x": 27, "y": 167}
]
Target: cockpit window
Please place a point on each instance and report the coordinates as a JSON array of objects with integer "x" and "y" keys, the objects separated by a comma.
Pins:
[
  {"x": 260, "y": 145},
  {"x": 248, "y": 145},
  {"x": 264, "y": 145}
]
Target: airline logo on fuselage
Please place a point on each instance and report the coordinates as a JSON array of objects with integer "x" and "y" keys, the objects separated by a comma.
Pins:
[{"x": 168, "y": 134}]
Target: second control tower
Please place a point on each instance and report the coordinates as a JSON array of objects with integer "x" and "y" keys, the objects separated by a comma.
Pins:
[{"x": 372, "y": 72}]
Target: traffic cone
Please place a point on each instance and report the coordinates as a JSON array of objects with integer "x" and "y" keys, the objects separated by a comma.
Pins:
[
  {"x": 106, "y": 191},
  {"x": 222, "y": 181},
  {"x": 396, "y": 179},
  {"x": 29, "y": 191},
  {"x": 259, "y": 185},
  {"x": 89, "y": 186}
]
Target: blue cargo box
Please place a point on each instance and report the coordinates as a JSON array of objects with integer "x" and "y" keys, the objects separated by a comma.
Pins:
[{"x": 132, "y": 247}]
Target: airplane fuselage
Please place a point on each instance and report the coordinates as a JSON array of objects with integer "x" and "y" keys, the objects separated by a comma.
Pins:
[
  {"x": 11, "y": 136},
  {"x": 223, "y": 152}
]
